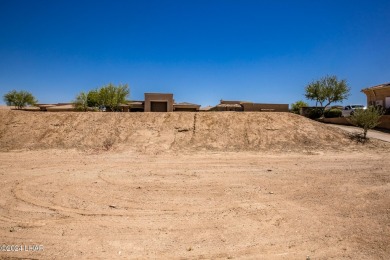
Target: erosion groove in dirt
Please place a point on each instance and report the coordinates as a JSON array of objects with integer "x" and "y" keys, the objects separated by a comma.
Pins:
[{"x": 143, "y": 132}]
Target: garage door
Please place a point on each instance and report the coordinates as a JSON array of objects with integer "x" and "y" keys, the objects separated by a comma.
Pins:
[{"x": 159, "y": 106}]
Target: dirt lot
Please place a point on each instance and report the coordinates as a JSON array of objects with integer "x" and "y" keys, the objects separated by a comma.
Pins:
[{"x": 207, "y": 201}]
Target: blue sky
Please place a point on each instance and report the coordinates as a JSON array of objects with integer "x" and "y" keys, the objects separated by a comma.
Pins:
[{"x": 202, "y": 51}]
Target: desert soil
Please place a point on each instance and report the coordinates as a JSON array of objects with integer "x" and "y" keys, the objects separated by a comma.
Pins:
[{"x": 173, "y": 189}]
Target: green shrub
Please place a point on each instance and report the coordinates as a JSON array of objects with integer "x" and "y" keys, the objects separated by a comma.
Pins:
[
  {"x": 109, "y": 96},
  {"x": 112, "y": 96},
  {"x": 93, "y": 98},
  {"x": 19, "y": 99},
  {"x": 81, "y": 102},
  {"x": 295, "y": 107},
  {"x": 315, "y": 112},
  {"x": 366, "y": 119},
  {"x": 332, "y": 113}
]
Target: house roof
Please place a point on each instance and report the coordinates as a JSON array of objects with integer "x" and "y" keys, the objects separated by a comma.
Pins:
[
  {"x": 68, "y": 107},
  {"x": 228, "y": 105},
  {"x": 381, "y": 86},
  {"x": 54, "y": 105},
  {"x": 234, "y": 102},
  {"x": 135, "y": 102},
  {"x": 46, "y": 105},
  {"x": 153, "y": 93},
  {"x": 185, "y": 104},
  {"x": 206, "y": 108},
  {"x": 230, "y": 101}
]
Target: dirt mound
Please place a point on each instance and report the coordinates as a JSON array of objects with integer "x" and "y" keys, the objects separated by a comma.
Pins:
[{"x": 157, "y": 132}]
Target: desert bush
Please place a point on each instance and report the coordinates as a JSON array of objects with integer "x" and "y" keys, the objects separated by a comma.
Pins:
[
  {"x": 315, "y": 112},
  {"x": 366, "y": 119},
  {"x": 295, "y": 107},
  {"x": 81, "y": 102},
  {"x": 109, "y": 96},
  {"x": 332, "y": 113},
  {"x": 19, "y": 99}
]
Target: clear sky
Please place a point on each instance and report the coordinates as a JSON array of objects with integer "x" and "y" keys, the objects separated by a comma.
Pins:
[{"x": 200, "y": 50}]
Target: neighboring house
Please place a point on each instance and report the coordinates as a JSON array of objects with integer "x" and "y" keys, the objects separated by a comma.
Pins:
[
  {"x": 59, "y": 107},
  {"x": 226, "y": 105},
  {"x": 186, "y": 107},
  {"x": 158, "y": 102},
  {"x": 161, "y": 102},
  {"x": 136, "y": 105},
  {"x": 378, "y": 95}
]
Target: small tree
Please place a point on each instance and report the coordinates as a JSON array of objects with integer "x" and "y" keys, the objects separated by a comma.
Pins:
[
  {"x": 81, "y": 102},
  {"x": 19, "y": 99},
  {"x": 112, "y": 96},
  {"x": 327, "y": 90},
  {"x": 366, "y": 119},
  {"x": 295, "y": 107}
]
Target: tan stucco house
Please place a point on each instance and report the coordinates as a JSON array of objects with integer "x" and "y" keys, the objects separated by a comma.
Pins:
[
  {"x": 378, "y": 95},
  {"x": 161, "y": 102},
  {"x": 230, "y": 105}
]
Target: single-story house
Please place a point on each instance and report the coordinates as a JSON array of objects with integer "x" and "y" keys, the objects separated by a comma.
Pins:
[
  {"x": 378, "y": 95},
  {"x": 185, "y": 107},
  {"x": 229, "y": 105},
  {"x": 59, "y": 107}
]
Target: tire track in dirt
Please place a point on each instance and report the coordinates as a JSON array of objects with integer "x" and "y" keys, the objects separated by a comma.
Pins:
[
  {"x": 20, "y": 191},
  {"x": 198, "y": 205},
  {"x": 151, "y": 197}
]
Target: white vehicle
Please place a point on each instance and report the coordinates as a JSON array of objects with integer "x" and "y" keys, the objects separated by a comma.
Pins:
[{"x": 350, "y": 109}]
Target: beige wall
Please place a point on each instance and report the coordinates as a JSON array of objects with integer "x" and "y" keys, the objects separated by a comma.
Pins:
[
  {"x": 337, "y": 121},
  {"x": 186, "y": 109},
  {"x": 157, "y": 97},
  {"x": 384, "y": 121},
  {"x": 265, "y": 107}
]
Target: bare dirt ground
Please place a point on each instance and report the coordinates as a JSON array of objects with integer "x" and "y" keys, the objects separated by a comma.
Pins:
[{"x": 170, "y": 188}]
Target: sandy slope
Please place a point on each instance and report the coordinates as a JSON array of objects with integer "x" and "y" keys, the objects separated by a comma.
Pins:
[{"x": 159, "y": 132}]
